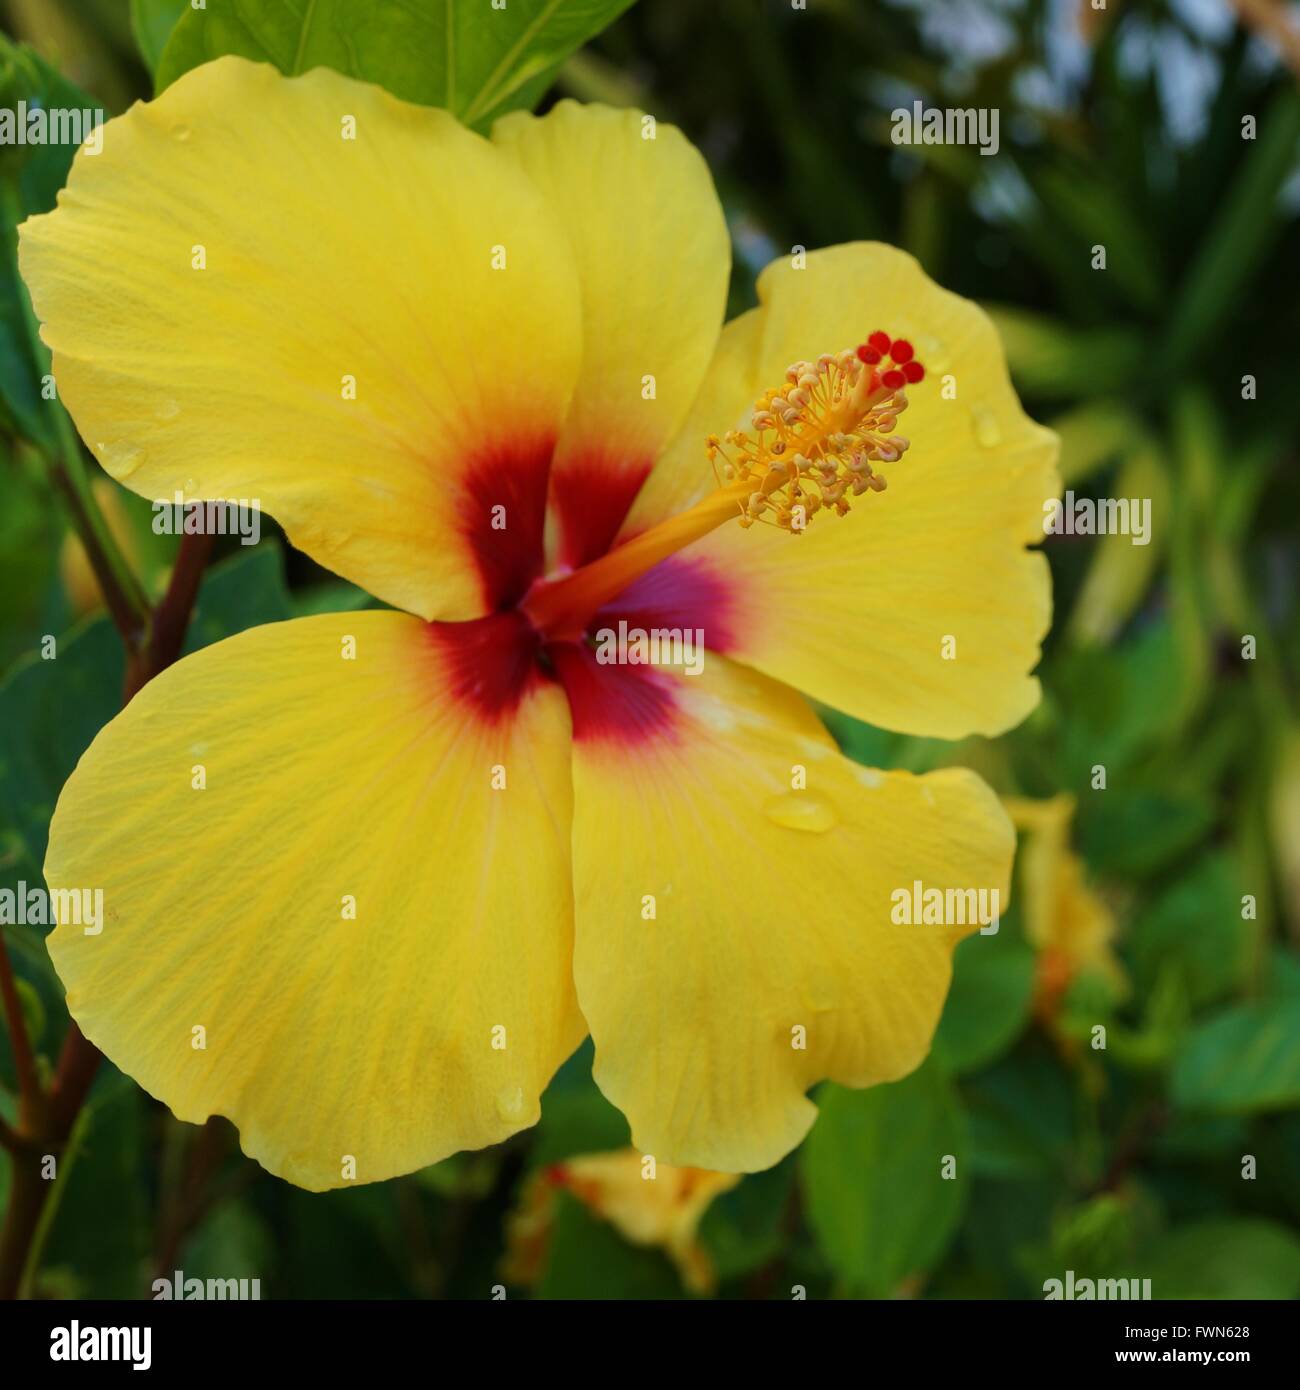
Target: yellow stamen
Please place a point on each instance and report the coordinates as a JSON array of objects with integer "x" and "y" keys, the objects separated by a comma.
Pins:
[
  {"x": 818, "y": 434},
  {"x": 815, "y": 440}
]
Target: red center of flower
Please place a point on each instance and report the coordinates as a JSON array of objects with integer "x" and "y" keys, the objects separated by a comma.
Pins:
[{"x": 812, "y": 447}]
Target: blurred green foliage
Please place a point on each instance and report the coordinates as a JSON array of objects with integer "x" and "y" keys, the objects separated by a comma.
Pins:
[{"x": 1166, "y": 133}]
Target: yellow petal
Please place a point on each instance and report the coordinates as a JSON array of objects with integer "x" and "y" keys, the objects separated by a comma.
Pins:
[
  {"x": 648, "y": 1203},
  {"x": 372, "y": 942},
  {"x": 1067, "y": 922},
  {"x": 736, "y": 940},
  {"x": 1045, "y": 825},
  {"x": 683, "y": 475},
  {"x": 331, "y": 267},
  {"x": 653, "y": 257},
  {"x": 922, "y": 610}
]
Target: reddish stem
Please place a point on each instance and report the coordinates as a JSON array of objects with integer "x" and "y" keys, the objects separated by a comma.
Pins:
[{"x": 31, "y": 1099}]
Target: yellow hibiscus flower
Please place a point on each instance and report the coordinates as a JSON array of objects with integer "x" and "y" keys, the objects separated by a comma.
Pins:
[
  {"x": 660, "y": 1207},
  {"x": 370, "y": 877},
  {"x": 1066, "y": 922}
]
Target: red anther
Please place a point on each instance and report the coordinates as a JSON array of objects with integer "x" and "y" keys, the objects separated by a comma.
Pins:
[
  {"x": 868, "y": 354},
  {"x": 556, "y": 1175},
  {"x": 901, "y": 351},
  {"x": 879, "y": 341},
  {"x": 913, "y": 371},
  {"x": 893, "y": 379}
]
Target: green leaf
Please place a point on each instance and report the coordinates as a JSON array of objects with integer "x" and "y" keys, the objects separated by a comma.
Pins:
[
  {"x": 992, "y": 983},
  {"x": 350, "y": 1238},
  {"x": 475, "y": 61},
  {"x": 233, "y": 1242},
  {"x": 1139, "y": 832},
  {"x": 32, "y": 1008},
  {"x": 1094, "y": 212},
  {"x": 51, "y": 709},
  {"x": 1196, "y": 926},
  {"x": 576, "y": 1120},
  {"x": 877, "y": 1200},
  {"x": 1097, "y": 1237},
  {"x": 742, "y": 1229},
  {"x": 587, "y": 1258},
  {"x": 1007, "y": 1224},
  {"x": 1230, "y": 254},
  {"x": 1092, "y": 435},
  {"x": 152, "y": 22},
  {"x": 1050, "y": 358},
  {"x": 19, "y": 874},
  {"x": 49, "y": 712},
  {"x": 1121, "y": 569},
  {"x": 1123, "y": 700},
  {"x": 1224, "y": 1258},
  {"x": 333, "y": 596},
  {"x": 1244, "y": 1060},
  {"x": 1021, "y": 1118},
  {"x": 247, "y": 590},
  {"x": 31, "y": 530},
  {"x": 1282, "y": 974},
  {"x": 30, "y": 178},
  {"x": 100, "y": 1232},
  {"x": 462, "y": 1175}
]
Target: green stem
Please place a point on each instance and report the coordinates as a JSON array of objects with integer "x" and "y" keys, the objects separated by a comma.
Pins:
[
  {"x": 112, "y": 569},
  {"x": 49, "y": 1209}
]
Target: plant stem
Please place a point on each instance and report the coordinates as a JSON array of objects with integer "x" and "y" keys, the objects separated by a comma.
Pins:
[
  {"x": 27, "y": 1193},
  {"x": 31, "y": 1098},
  {"x": 171, "y": 621},
  {"x": 129, "y": 619},
  {"x": 45, "y": 1218}
]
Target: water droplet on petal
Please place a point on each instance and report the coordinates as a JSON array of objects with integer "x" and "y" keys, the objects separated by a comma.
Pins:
[
  {"x": 168, "y": 410},
  {"x": 180, "y": 132},
  {"x": 510, "y": 1103},
  {"x": 933, "y": 353},
  {"x": 800, "y": 811},
  {"x": 988, "y": 433},
  {"x": 120, "y": 458}
]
